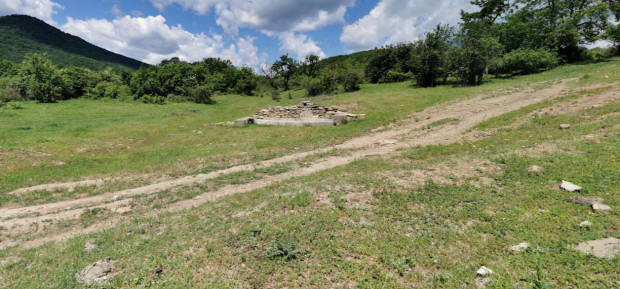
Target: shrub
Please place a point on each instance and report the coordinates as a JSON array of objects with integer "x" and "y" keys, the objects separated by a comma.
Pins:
[
  {"x": 350, "y": 80},
  {"x": 152, "y": 99},
  {"x": 202, "y": 94},
  {"x": 395, "y": 76},
  {"x": 313, "y": 86},
  {"x": 42, "y": 80},
  {"x": 524, "y": 61}
]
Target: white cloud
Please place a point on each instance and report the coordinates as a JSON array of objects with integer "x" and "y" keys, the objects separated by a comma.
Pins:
[
  {"x": 299, "y": 44},
  {"x": 151, "y": 40},
  {"x": 42, "y": 9},
  {"x": 116, "y": 11},
  {"x": 393, "y": 21},
  {"x": 268, "y": 16}
]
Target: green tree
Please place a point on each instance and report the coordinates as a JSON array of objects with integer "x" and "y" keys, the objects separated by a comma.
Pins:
[
  {"x": 285, "y": 68},
  {"x": 477, "y": 47},
  {"x": 43, "y": 82},
  {"x": 558, "y": 25},
  {"x": 430, "y": 56},
  {"x": 309, "y": 65}
]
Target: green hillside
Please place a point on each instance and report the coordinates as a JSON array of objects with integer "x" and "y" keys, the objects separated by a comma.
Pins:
[{"x": 24, "y": 34}]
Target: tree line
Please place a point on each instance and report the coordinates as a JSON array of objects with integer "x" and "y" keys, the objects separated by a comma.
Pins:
[
  {"x": 502, "y": 38},
  {"x": 173, "y": 80}
]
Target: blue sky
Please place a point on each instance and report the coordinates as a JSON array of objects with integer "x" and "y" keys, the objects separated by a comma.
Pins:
[{"x": 247, "y": 32}]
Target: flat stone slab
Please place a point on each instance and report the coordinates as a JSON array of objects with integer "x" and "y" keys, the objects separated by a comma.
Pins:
[
  {"x": 294, "y": 122},
  {"x": 586, "y": 200},
  {"x": 603, "y": 248},
  {"x": 569, "y": 186}
]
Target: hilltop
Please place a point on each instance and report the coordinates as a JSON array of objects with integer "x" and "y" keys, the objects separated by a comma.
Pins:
[{"x": 25, "y": 34}]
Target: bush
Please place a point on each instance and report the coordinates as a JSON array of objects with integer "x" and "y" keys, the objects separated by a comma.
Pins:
[
  {"x": 395, "y": 76},
  {"x": 42, "y": 80},
  {"x": 313, "y": 86},
  {"x": 152, "y": 99},
  {"x": 524, "y": 61},
  {"x": 202, "y": 94},
  {"x": 350, "y": 80}
]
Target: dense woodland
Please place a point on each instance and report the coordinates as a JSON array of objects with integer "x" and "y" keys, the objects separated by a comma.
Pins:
[{"x": 503, "y": 38}]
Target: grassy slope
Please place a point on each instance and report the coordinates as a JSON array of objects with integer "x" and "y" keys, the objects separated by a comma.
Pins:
[
  {"x": 25, "y": 34},
  {"x": 426, "y": 236},
  {"x": 133, "y": 138}
]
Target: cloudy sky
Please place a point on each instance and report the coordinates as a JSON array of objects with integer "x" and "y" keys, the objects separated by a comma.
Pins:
[{"x": 248, "y": 32}]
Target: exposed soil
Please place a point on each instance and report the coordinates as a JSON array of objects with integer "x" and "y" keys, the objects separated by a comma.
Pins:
[{"x": 408, "y": 133}]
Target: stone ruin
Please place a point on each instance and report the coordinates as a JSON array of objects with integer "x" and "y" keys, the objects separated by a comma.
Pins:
[{"x": 304, "y": 114}]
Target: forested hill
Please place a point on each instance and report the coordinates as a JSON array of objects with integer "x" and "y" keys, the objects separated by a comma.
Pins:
[{"x": 23, "y": 34}]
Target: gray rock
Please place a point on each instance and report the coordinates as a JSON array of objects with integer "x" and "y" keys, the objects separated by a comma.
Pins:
[
  {"x": 586, "y": 200},
  {"x": 97, "y": 272},
  {"x": 601, "y": 207},
  {"x": 564, "y": 126},
  {"x": 603, "y": 248}
]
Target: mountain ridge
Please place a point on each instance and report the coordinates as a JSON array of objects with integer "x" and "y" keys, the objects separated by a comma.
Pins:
[{"x": 22, "y": 34}]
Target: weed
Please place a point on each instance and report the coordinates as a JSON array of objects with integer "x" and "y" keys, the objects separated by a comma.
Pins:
[
  {"x": 540, "y": 280},
  {"x": 284, "y": 247}
]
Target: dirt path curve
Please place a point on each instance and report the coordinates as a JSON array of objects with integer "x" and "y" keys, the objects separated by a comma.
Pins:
[{"x": 408, "y": 133}]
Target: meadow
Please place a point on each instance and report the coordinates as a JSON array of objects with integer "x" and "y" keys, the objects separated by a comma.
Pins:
[{"x": 422, "y": 217}]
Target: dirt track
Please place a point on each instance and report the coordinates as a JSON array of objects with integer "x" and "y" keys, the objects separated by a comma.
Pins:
[{"x": 409, "y": 132}]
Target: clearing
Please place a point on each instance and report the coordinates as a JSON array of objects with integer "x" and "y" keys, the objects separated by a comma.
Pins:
[{"x": 420, "y": 200}]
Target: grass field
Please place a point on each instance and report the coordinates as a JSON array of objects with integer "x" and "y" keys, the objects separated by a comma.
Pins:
[{"x": 424, "y": 217}]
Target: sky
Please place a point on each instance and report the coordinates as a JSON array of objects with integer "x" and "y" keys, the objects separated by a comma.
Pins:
[{"x": 247, "y": 32}]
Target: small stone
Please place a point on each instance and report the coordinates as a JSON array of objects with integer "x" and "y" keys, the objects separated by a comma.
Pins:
[
  {"x": 200, "y": 132},
  {"x": 564, "y": 126},
  {"x": 585, "y": 224},
  {"x": 116, "y": 197},
  {"x": 601, "y": 207},
  {"x": 520, "y": 247},
  {"x": 158, "y": 270},
  {"x": 543, "y": 211},
  {"x": 590, "y": 137},
  {"x": 603, "y": 248},
  {"x": 484, "y": 271},
  {"x": 569, "y": 186},
  {"x": 68, "y": 209}
]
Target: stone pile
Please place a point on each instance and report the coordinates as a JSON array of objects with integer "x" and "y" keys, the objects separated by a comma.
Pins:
[
  {"x": 303, "y": 111},
  {"x": 304, "y": 114}
]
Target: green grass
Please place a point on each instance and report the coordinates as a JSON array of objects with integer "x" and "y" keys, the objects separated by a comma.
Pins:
[
  {"x": 354, "y": 226},
  {"x": 110, "y": 138}
]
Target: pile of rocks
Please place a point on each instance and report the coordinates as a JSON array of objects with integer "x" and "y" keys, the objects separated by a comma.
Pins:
[{"x": 304, "y": 114}]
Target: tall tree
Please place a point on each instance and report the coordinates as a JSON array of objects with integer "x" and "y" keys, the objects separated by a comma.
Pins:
[
  {"x": 430, "y": 56},
  {"x": 309, "y": 65},
  {"x": 285, "y": 68}
]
